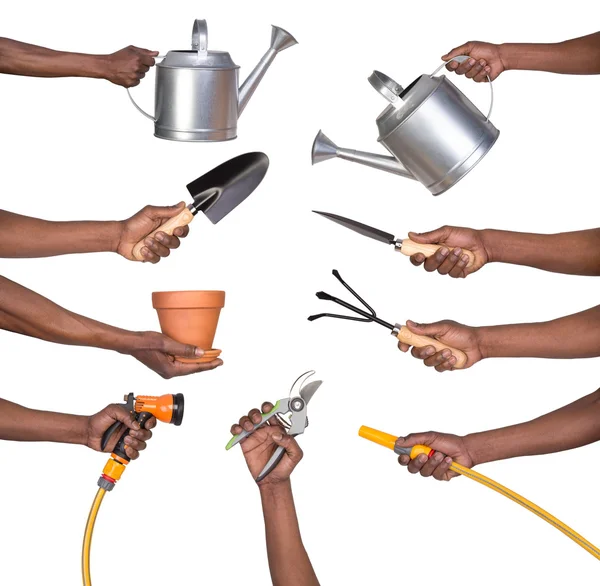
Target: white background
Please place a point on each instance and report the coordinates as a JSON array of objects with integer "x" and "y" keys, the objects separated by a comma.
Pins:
[{"x": 188, "y": 512}]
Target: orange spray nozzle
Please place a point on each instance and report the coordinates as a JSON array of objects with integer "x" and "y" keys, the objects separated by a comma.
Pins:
[{"x": 166, "y": 408}]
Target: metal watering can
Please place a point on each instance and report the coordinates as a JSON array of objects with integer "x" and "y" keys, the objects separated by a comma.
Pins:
[
  {"x": 197, "y": 96},
  {"x": 434, "y": 132}
]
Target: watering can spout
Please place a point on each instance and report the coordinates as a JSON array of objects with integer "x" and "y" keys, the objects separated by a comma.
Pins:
[
  {"x": 280, "y": 40},
  {"x": 324, "y": 148}
]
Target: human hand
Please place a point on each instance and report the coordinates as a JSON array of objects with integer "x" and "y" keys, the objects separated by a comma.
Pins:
[
  {"x": 259, "y": 446},
  {"x": 485, "y": 59},
  {"x": 452, "y": 334},
  {"x": 159, "y": 353},
  {"x": 128, "y": 66},
  {"x": 451, "y": 263},
  {"x": 449, "y": 448},
  {"x": 140, "y": 225},
  {"x": 135, "y": 441}
]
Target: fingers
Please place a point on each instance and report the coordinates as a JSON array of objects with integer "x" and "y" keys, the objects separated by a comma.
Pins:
[
  {"x": 483, "y": 74},
  {"x": 173, "y": 348},
  {"x": 153, "y": 245},
  {"x": 437, "y": 466},
  {"x": 163, "y": 212},
  {"x": 433, "y": 236},
  {"x": 435, "y": 261},
  {"x": 292, "y": 449},
  {"x": 459, "y": 270},
  {"x": 254, "y": 417},
  {"x": 181, "y": 231},
  {"x": 461, "y": 50},
  {"x": 450, "y": 261},
  {"x": 477, "y": 68},
  {"x": 441, "y": 361},
  {"x": 183, "y": 368},
  {"x": 418, "y": 259},
  {"x": 403, "y": 347},
  {"x": 119, "y": 413},
  {"x": 465, "y": 66},
  {"x": 441, "y": 470}
]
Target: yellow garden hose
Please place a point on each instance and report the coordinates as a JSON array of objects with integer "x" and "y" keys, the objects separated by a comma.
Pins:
[
  {"x": 87, "y": 538},
  {"x": 389, "y": 441}
]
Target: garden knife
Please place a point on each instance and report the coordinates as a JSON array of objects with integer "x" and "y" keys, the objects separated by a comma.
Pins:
[{"x": 406, "y": 246}]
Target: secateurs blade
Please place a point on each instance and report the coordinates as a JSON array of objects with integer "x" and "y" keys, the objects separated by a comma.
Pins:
[
  {"x": 290, "y": 413},
  {"x": 406, "y": 246},
  {"x": 217, "y": 192},
  {"x": 401, "y": 332}
]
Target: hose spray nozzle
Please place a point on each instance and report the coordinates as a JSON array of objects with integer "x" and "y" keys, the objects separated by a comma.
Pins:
[{"x": 166, "y": 408}]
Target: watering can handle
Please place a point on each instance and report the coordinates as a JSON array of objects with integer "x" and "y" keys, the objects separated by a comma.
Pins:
[
  {"x": 200, "y": 37},
  {"x": 135, "y": 104},
  {"x": 460, "y": 59}
]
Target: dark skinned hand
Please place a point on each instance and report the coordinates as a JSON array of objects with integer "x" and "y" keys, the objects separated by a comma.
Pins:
[
  {"x": 486, "y": 59},
  {"x": 451, "y": 333},
  {"x": 128, "y": 66},
  {"x": 451, "y": 263},
  {"x": 449, "y": 448},
  {"x": 259, "y": 446},
  {"x": 135, "y": 442},
  {"x": 140, "y": 225},
  {"x": 158, "y": 352}
]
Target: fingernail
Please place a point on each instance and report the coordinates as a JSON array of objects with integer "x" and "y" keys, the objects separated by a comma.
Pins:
[
  {"x": 127, "y": 439},
  {"x": 438, "y": 457},
  {"x": 160, "y": 237},
  {"x": 457, "y": 251},
  {"x": 465, "y": 258},
  {"x": 488, "y": 69},
  {"x": 277, "y": 437},
  {"x": 429, "y": 351},
  {"x": 482, "y": 62},
  {"x": 400, "y": 440},
  {"x": 136, "y": 425},
  {"x": 444, "y": 251},
  {"x": 471, "y": 61},
  {"x": 446, "y": 353},
  {"x": 448, "y": 460},
  {"x": 199, "y": 352}
]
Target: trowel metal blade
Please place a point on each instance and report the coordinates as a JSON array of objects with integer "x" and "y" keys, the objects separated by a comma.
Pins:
[
  {"x": 223, "y": 188},
  {"x": 363, "y": 229},
  {"x": 309, "y": 390}
]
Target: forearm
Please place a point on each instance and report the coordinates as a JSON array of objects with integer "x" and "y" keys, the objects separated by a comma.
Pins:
[
  {"x": 573, "y": 253},
  {"x": 26, "y": 237},
  {"x": 575, "y": 56},
  {"x": 573, "y": 336},
  {"x": 25, "y": 312},
  {"x": 18, "y": 423},
  {"x": 288, "y": 561},
  {"x": 572, "y": 426},
  {"x": 24, "y": 59}
]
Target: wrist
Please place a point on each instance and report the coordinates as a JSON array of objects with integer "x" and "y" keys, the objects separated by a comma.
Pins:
[
  {"x": 484, "y": 341},
  {"x": 472, "y": 445},
  {"x": 490, "y": 241},
  {"x": 116, "y": 231},
  {"x": 273, "y": 490},
  {"x": 76, "y": 430},
  {"x": 98, "y": 66},
  {"x": 507, "y": 53}
]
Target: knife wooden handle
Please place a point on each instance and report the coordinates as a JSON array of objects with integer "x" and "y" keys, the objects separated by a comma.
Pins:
[
  {"x": 183, "y": 218},
  {"x": 418, "y": 341},
  {"x": 410, "y": 247}
]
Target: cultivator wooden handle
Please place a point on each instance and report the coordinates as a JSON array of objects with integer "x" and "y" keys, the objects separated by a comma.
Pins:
[
  {"x": 410, "y": 247},
  {"x": 418, "y": 341}
]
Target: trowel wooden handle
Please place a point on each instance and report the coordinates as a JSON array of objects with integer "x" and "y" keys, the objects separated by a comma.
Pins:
[
  {"x": 410, "y": 247},
  {"x": 418, "y": 341},
  {"x": 183, "y": 218}
]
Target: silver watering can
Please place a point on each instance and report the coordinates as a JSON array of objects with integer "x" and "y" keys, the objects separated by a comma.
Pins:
[
  {"x": 434, "y": 132},
  {"x": 196, "y": 94}
]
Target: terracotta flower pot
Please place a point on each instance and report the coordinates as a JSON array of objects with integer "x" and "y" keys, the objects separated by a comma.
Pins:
[{"x": 190, "y": 317}]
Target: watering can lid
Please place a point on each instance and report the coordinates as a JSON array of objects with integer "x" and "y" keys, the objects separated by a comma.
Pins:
[{"x": 194, "y": 60}]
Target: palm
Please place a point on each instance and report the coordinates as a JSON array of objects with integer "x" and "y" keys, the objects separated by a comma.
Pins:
[
  {"x": 135, "y": 229},
  {"x": 258, "y": 448}
]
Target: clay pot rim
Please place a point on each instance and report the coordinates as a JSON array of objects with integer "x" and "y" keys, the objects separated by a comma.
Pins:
[{"x": 210, "y": 299}]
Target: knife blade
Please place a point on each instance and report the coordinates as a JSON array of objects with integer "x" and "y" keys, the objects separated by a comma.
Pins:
[
  {"x": 216, "y": 193},
  {"x": 405, "y": 246}
]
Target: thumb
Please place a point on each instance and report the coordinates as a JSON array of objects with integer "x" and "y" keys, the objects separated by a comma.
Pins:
[
  {"x": 170, "y": 346},
  {"x": 165, "y": 212},
  {"x": 430, "y": 330},
  {"x": 292, "y": 449},
  {"x": 120, "y": 414},
  {"x": 462, "y": 50},
  {"x": 413, "y": 439},
  {"x": 433, "y": 237}
]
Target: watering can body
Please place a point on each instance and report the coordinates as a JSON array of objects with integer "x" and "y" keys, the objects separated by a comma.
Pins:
[
  {"x": 434, "y": 133},
  {"x": 197, "y": 93}
]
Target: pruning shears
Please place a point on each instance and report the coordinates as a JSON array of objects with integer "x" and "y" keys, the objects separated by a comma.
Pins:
[{"x": 290, "y": 413}]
